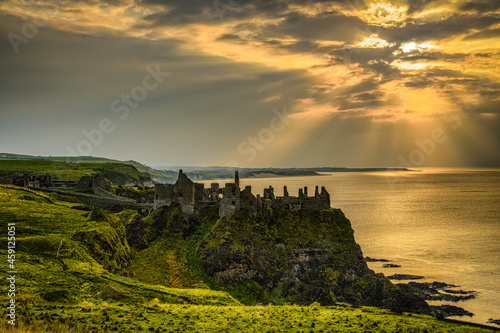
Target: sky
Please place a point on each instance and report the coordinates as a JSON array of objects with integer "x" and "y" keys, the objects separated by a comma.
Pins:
[{"x": 253, "y": 83}]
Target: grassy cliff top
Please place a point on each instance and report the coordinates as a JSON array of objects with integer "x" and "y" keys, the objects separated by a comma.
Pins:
[{"x": 117, "y": 173}]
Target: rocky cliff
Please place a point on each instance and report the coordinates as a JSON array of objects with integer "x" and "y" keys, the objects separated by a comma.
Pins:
[{"x": 297, "y": 257}]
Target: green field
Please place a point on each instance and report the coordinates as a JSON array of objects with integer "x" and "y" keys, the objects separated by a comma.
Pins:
[
  {"x": 65, "y": 251},
  {"x": 93, "y": 162},
  {"x": 117, "y": 173}
]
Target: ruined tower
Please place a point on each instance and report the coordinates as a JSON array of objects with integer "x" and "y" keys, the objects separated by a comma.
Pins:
[
  {"x": 231, "y": 199},
  {"x": 182, "y": 192}
]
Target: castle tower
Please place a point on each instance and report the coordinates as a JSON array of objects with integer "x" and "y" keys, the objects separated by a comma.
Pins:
[
  {"x": 269, "y": 193},
  {"x": 237, "y": 179},
  {"x": 285, "y": 191},
  {"x": 316, "y": 192},
  {"x": 184, "y": 193},
  {"x": 231, "y": 200}
]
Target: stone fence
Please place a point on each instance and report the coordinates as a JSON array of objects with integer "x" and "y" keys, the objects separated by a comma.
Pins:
[{"x": 100, "y": 201}]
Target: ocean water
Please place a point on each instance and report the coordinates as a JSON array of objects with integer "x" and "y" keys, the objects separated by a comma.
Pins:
[{"x": 443, "y": 224}]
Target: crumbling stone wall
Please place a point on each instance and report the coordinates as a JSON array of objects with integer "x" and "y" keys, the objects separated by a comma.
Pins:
[
  {"x": 248, "y": 201},
  {"x": 191, "y": 195},
  {"x": 182, "y": 192},
  {"x": 231, "y": 201}
]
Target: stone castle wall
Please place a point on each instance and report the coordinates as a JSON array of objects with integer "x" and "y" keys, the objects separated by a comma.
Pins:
[{"x": 194, "y": 195}]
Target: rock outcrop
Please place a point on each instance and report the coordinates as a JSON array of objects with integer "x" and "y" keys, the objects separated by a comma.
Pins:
[{"x": 297, "y": 257}]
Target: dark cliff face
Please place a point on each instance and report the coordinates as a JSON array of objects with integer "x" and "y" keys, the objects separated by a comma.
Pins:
[{"x": 298, "y": 257}]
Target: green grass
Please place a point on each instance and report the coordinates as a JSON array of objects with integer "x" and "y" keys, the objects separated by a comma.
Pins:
[
  {"x": 164, "y": 262},
  {"x": 172, "y": 260},
  {"x": 65, "y": 248},
  {"x": 117, "y": 173},
  {"x": 156, "y": 316},
  {"x": 144, "y": 193},
  {"x": 157, "y": 175}
]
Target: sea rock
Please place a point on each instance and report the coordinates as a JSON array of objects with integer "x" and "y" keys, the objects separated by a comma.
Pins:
[
  {"x": 443, "y": 311},
  {"x": 391, "y": 266},
  {"x": 442, "y": 285},
  {"x": 494, "y": 321},
  {"x": 405, "y": 277},
  {"x": 453, "y": 298},
  {"x": 368, "y": 259},
  {"x": 430, "y": 291},
  {"x": 461, "y": 292}
]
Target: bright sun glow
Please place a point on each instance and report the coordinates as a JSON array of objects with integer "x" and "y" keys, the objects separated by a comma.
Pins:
[
  {"x": 407, "y": 47},
  {"x": 412, "y": 46},
  {"x": 373, "y": 41},
  {"x": 408, "y": 65}
]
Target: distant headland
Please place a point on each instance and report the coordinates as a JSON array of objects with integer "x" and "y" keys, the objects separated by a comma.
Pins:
[{"x": 217, "y": 172}]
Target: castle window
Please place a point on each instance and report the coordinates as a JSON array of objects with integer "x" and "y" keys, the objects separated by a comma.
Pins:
[
  {"x": 234, "y": 190},
  {"x": 233, "y": 202}
]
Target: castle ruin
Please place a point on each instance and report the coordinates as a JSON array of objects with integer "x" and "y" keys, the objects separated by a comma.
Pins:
[
  {"x": 231, "y": 198},
  {"x": 37, "y": 181}
]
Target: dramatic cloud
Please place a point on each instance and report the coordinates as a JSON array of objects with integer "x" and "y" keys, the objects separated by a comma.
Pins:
[{"x": 369, "y": 71}]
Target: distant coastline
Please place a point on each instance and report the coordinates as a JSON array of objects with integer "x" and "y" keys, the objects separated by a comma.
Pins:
[{"x": 208, "y": 173}]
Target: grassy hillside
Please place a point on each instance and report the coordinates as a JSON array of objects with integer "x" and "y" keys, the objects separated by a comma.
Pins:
[
  {"x": 140, "y": 193},
  {"x": 65, "y": 250},
  {"x": 164, "y": 248},
  {"x": 117, "y": 173},
  {"x": 156, "y": 175}
]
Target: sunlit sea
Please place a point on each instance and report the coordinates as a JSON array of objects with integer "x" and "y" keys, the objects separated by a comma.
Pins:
[{"x": 443, "y": 224}]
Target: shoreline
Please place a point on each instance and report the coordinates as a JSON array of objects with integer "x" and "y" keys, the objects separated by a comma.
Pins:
[
  {"x": 470, "y": 323},
  {"x": 306, "y": 172}
]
